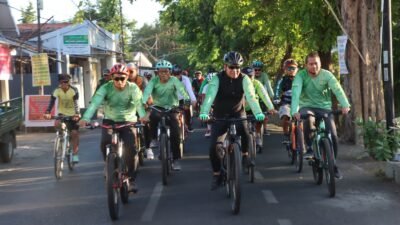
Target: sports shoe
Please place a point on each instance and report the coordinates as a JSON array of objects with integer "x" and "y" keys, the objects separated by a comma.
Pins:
[
  {"x": 153, "y": 144},
  {"x": 207, "y": 134},
  {"x": 216, "y": 181},
  {"x": 75, "y": 158},
  {"x": 176, "y": 165},
  {"x": 149, "y": 153},
  {"x": 309, "y": 154},
  {"x": 190, "y": 129},
  {"x": 132, "y": 186},
  {"x": 338, "y": 174}
]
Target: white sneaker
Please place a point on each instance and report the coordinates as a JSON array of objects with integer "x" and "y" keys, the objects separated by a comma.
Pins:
[
  {"x": 149, "y": 153},
  {"x": 176, "y": 165},
  {"x": 207, "y": 134},
  {"x": 153, "y": 144}
]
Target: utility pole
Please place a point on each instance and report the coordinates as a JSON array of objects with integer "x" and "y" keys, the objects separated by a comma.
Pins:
[
  {"x": 122, "y": 31},
  {"x": 39, "y": 6}
]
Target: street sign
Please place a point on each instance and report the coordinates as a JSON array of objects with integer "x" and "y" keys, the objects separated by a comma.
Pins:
[
  {"x": 40, "y": 70},
  {"x": 76, "y": 44}
]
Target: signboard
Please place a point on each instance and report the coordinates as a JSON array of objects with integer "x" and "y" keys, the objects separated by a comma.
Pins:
[
  {"x": 5, "y": 63},
  {"x": 342, "y": 41},
  {"x": 40, "y": 70},
  {"x": 76, "y": 44},
  {"x": 35, "y": 107}
]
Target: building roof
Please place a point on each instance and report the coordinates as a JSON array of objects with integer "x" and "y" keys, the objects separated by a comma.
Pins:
[
  {"x": 7, "y": 25},
  {"x": 29, "y": 30}
]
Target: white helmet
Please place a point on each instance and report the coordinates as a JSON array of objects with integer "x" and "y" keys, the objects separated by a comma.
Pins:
[{"x": 210, "y": 76}]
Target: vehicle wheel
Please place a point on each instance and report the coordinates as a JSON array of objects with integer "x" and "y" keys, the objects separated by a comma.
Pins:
[
  {"x": 125, "y": 191},
  {"x": 227, "y": 175},
  {"x": 112, "y": 184},
  {"x": 300, "y": 148},
  {"x": 329, "y": 166},
  {"x": 317, "y": 172},
  {"x": 252, "y": 158},
  {"x": 235, "y": 174},
  {"x": 164, "y": 158},
  {"x": 71, "y": 164},
  {"x": 7, "y": 148},
  {"x": 140, "y": 150},
  {"x": 58, "y": 161}
]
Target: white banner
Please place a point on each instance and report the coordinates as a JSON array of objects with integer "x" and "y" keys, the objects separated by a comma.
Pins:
[{"x": 341, "y": 43}]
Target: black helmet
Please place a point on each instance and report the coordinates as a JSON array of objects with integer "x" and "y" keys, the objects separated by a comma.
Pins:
[
  {"x": 233, "y": 58},
  {"x": 106, "y": 72},
  {"x": 248, "y": 70},
  {"x": 176, "y": 69},
  {"x": 64, "y": 76}
]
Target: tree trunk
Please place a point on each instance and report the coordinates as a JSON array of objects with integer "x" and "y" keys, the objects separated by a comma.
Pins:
[{"x": 363, "y": 85}]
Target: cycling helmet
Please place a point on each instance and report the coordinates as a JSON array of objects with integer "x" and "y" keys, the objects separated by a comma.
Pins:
[
  {"x": 106, "y": 72},
  {"x": 290, "y": 62},
  {"x": 233, "y": 58},
  {"x": 210, "y": 76},
  {"x": 131, "y": 66},
  {"x": 257, "y": 64},
  {"x": 119, "y": 69},
  {"x": 64, "y": 76},
  {"x": 163, "y": 64},
  {"x": 176, "y": 69},
  {"x": 248, "y": 70},
  {"x": 198, "y": 72}
]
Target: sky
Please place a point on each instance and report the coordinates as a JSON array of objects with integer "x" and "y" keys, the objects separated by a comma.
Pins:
[{"x": 143, "y": 11}]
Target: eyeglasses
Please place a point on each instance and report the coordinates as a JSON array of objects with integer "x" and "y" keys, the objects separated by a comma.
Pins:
[
  {"x": 234, "y": 67},
  {"x": 119, "y": 78},
  {"x": 291, "y": 68},
  {"x": 257, "y": 69}
]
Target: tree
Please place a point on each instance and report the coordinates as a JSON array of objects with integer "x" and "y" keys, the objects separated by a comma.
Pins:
[{"x": 28, "y": 14}]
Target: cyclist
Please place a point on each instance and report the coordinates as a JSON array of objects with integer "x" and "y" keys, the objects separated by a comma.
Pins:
[
  {"x": 264, "y": 79},
  {"x": 262, "y": 96},
  {"x": 163, "y": 88},
  {"x": 106, "y": 77},
  {"x": 228, "y": 90},
  {"x": 283, "y": 95},
  {"x": 123, "y": 100},
  {"x": 196, "y": 83},
  {"x": 140, "y": 81},
  {"x": 177, "y": 72},
  {"x": 67, "y": 96},
  {"x": 311, "y": 92}
]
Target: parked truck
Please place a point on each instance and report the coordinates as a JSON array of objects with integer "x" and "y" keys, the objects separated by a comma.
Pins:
[{"x": 10, "y": 121}]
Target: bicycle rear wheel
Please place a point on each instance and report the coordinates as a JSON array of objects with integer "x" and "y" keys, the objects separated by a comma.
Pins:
[
  {"x": 58, "y": 161},
  {"x": 235, "y": 177},
  {"x": 164, "y": 158},
  {"x": 112, "y": 185},
  {"x": 69, "y": 155},
  {"x": 329, "y": 166},
  {"x": 140, "y": 149}
]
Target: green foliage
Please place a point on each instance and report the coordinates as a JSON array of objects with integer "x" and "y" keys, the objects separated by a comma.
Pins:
[
  {"x": 28, "y": 14},
  {"x": 379, "y": 142}
]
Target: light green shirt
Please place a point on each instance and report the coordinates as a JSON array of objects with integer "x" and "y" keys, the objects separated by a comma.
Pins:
[
  {"x": 262, "y": 94},
  {"x": 164, "y": 94},
  {"x": 316, "y": 92},
  {"x": 119, "y": 105},
  {"x": 264, "y": 79}
]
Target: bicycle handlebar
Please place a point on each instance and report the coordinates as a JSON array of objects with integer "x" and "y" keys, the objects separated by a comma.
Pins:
[
  {"x": 119, "y": 126},
  {"x": 163, "y": 110},
  {"x": 325, "y": 115}
]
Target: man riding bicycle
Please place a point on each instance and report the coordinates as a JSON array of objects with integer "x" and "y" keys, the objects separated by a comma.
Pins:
[
  {"x": 67, "y": 96},
  {"x": 163, "y": 88},
  {"x": 311, "y": 92},
  {"x": 121, "y": 100},
  {"x": 227, "y": 91}
]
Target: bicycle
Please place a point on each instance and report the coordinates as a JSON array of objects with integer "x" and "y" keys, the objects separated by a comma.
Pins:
[
  {"x": 230, "y": 154},
  {"x": 295, "y": 145},
  {"x": 62, "y": 147},
  {"x": 117, "y": 178},
  {"x": 163, "y": 131},
  {"x": 323, "y": 161}
]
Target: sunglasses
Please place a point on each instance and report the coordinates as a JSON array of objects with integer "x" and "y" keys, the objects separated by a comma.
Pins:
[
  {"x": 234, "y": 67},
  {"x": 291, "y": 68},
  {"x": 257, "y": 69},
  {"x": 119, "y": 78}
]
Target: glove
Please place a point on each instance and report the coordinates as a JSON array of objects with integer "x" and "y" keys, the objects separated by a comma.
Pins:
[
  {"x": 204, "y": 117},
  {"x": 260, "y": 117}
]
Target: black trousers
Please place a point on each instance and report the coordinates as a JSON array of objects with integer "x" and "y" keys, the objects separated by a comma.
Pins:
[
  {"x": 175, "y": 132},
  {"x": 219, "y": 131},
  {"x": 128, "y": 136}
]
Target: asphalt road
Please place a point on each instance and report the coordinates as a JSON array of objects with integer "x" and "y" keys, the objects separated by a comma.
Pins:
[{"x": 30, "y": 194}]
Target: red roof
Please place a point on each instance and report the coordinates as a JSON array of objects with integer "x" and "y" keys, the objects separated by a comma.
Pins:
[{"x": 29, "y": 30}]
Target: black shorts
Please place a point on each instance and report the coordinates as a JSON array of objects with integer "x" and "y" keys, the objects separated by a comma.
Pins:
[{"x": 72, "y": 125}]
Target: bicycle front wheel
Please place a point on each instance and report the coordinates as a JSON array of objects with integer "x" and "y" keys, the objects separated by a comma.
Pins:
[
  {"x": 252, "y": 158},
  {"x": 235, "y": 157},
  {"x": 58, "y": 160},
  {"x": 299, "y": 148},
  {"x": 329, "y": 166},
  {"x": 112, "y": 185},
  {"x": 164, "y": 158},
  {"x": 71, "y": 164}
]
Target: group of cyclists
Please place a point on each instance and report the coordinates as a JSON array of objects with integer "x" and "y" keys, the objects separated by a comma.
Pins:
[{"x": 233, "y": 92}]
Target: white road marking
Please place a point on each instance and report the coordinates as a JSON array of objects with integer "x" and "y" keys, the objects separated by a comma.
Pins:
[
  {"x": 269, "y": 197},
  {"x": 152, "y": 205},
  {"x": 258, "y": 175},
  {"x": 284, "y": 222}
]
